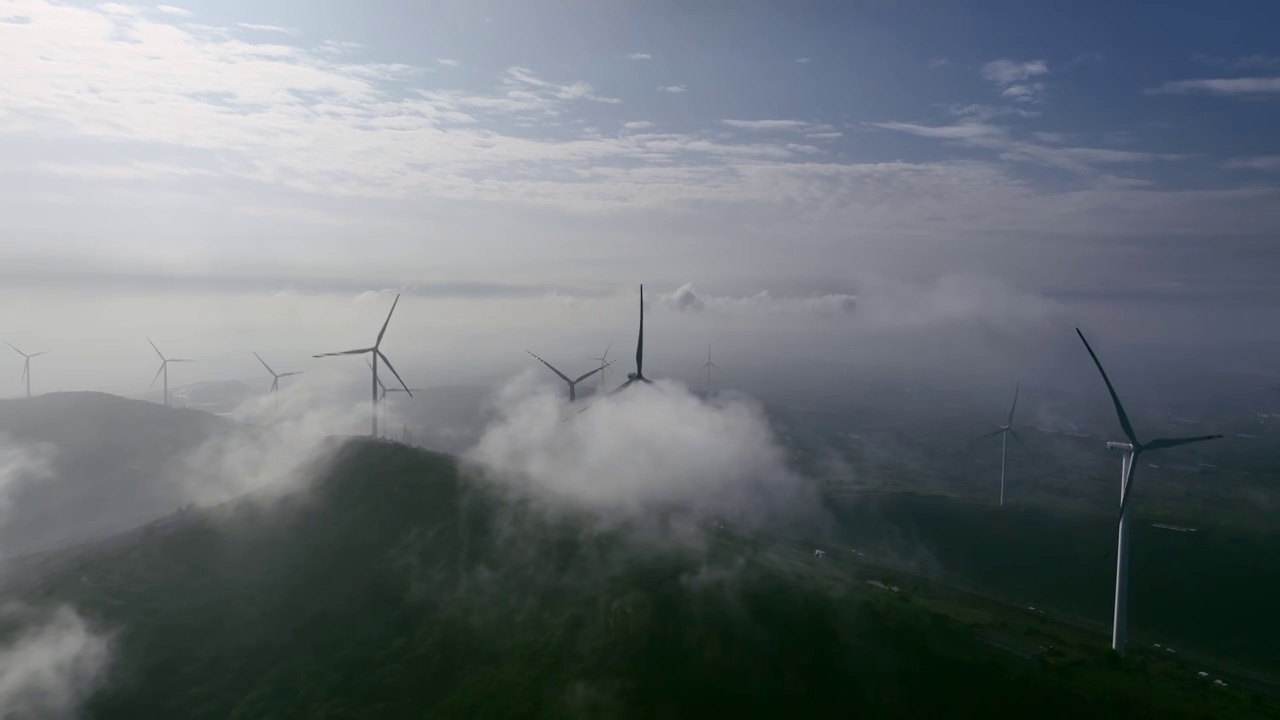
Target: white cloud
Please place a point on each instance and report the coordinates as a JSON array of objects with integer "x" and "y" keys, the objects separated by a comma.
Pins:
[
  {"x": 1269, "y": 163},
  {"x": 671, "y": 88},
  {"x": 1012, "y": 76},
  {"x": 1220, "y": 86},
  {"x": 637, "y": 125},
  {"x": 758, "y": 125},
  {"x": 804, "y": 60},
  {"x": 1270, "y": 62},
  {"x": 176, "y": 11},
  {"x": 54, "y": 663},
  {"x": 640, "y": 56},
  {"x": 257, "y": 27},
  {"x": 448, "y": 62},
  {"x": 939, "y": 62},
  {"x": 964, "y": 131},
  {"x": 687, "y": 299},
  {"x": 824, "y": 135}
]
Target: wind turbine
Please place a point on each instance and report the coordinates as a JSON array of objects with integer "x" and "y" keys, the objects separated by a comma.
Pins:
[
  {"x": 375, "y": 352},
  {"x": 573, "y": 384},
  {"x": 1004, "y": 431},
  {"x": 382, "y": 396},
  {"x": 275, "y": 381},
  {"x": 26, "y": 364},
  {"x": 638, "y": 375},
  {"x": 1131, "y": 449},
  {"x": 164, "y": 369},
  {"x": 709, "y": 365},
  {"x": 604, "y": 361}
]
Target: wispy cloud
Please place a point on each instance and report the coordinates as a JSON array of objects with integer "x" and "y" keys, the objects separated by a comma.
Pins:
[
  {"x": 258, "y": 27},
  {"x": 687, "y": 299},
  {"x": 939, "y": 62},
  {"x": 671, "y": 88},
  {"x": 448, "y": 62},
  {"x": 637, "y": 125},
  {"x": 639, "y": 56},
  {"x": 1015, "y": 79},
  {"x": 573, "y": 91},
  {"x": 1268, "y": 62},
  {"x": 764, "y": 125},
  {"x": 1220, "y": 86},
  {"x": 175, "y": 11},
  {"x": 804, "y": 60},
  {"x": 964, "y": 131},
  {"x": 1268, "y": 163}
]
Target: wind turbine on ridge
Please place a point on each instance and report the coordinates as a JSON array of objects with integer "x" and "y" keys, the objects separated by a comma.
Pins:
[
  {"x": 375, "y": 352},
  {"x": 604, "y": 362},
  {"x": 1128, "y": 464},
  {"x": 382, "y": 397},
  {"x": 164, "y": 369},
  {"x": 709, "y": 365},
  {"x": 275, "y": 381},
  {"x": 1004, "y": 431},
  {"x": 26, "y": 364},
  {"x": 638, "y": 375},
  {"x": 573, "y": 384}
]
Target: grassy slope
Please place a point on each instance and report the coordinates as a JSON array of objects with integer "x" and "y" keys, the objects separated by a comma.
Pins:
[{"x": 396, "y": 589}]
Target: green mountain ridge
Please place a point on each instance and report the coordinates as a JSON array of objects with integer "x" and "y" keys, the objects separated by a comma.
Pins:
[{"x": 396, "y": 585}]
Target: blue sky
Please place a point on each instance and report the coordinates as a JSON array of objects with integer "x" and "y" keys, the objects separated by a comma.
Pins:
[{"x": 745, "y": 150}]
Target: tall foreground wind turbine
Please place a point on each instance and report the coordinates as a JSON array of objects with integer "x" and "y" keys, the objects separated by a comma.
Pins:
[
  {"x": 1132, "y": 449},
  {"x": 164, "y": 369},
  {"x": 573, "y": 384},
  {"x": 1004, "y": 431},
  {"x": 275, "y": 378},
  {"x": 709, "y": 365},
  {"x": 638, "y": 375},
  {"x": 26, "y": 364},
  {"x": 375, "y": 352}
]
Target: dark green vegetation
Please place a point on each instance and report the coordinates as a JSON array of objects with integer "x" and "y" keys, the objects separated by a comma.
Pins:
[
  {"x": 396, "y": 587},
  {"x": 111, "y": 468},
  {"x": 1211, "y": 590}
]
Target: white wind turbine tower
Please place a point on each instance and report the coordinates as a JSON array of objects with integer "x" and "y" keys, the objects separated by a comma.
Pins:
[
  {"x": 26, "y": 364},
  {"x": 709, "y": 365},
  {"x": 1128, "y": 464},
  {"x": 604, "y": 362},
  {"x": 164, "y": 369},
  {"x": 375, "y": 352},
  {"x": 275, "y": 379},
  {"x": 1004, "y": 431}
]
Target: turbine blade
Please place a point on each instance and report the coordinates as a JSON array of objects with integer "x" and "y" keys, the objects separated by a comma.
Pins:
[
  {"x": 1020, "y": 443},
  {"x": 1175, "y": 442},
  {"x": 26, "y": 370},
  {"x": 295, "y": 372},
  {"x": 180, "y": 360},
  {"x": 640, "y": 342},
  {"x": 393, "y": 370},
  {"x": 361, "y": 351},
  {"x": 265, "y": 365},
  {"x": 1015, "y": 402},
  {"x": 377, "y": 379},
  {"x": 1128, "y": 487},
  {"x": 387, "y": 322},
  {"x": 544, "y": 362},
  {"x": 645, "y": 380},
  {"x": 993, "y": 433},
  {"x": 157, "y": 377},
  {"x": 606, "y": 353},
  {"x": 1124, "y": 418},
  {"x": 275, "y": 384},
  {"x": 622, "y": 387},
  {"x": 6, "y": 342},
  {"x": 587, "y": 375},
  {"x": 153, "y": 347},
  {"x": 42, "y": 352}
]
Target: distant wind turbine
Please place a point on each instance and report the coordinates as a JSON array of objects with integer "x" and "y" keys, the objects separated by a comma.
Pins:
[
  {"x": 375, "y": 352},
  {"x": 573, "y": 384},
  {"x": 164, "y": 369},
  {"x": 382, "y": 396},
  {"x": 638, "y": 375},
  {"x": 1131, "y": 449},
  {"x": 709, "y": 365},
  {"x": 26, "y": 364},
  {"x": 275, "y": 378},
  {"x": 604, "y": 361},
  {"x": 1004, "y": 431}
]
